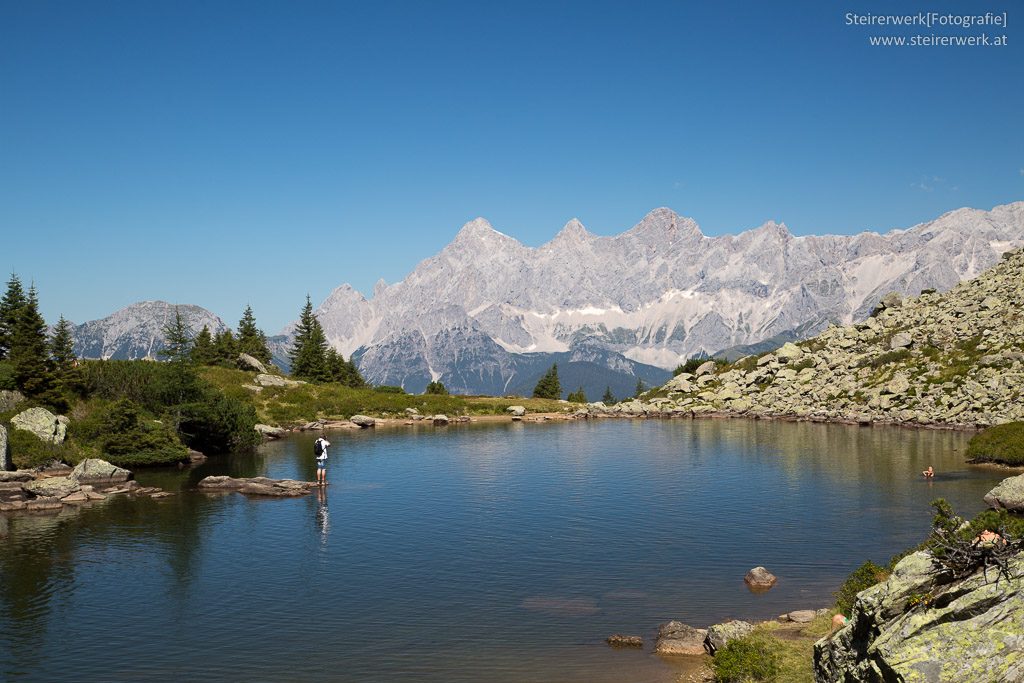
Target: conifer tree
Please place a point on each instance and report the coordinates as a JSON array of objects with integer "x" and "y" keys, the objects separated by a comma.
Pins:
[
  {"x": 251, "y": 339},
  {"x": 308, "y": 354},
  {"x": 225, "y": 348},
  {"x": 639, "y": 387},
  {"x": 549, "y": 386},
  {"x": 68, "y": 375},
  {"x": 609, "y": 397},
  {"x": 30, "y": 352},
  {"x": 436, "y": 387},
  {"x": 177, "y": 340},
  {"x": 203, "y": 352},
  {"x": 13, "y": 300},
  {"x": 578, "y": 396}
]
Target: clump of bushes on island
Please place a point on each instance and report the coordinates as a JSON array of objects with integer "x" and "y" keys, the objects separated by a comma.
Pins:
[{"x": 1002, "y": 444}]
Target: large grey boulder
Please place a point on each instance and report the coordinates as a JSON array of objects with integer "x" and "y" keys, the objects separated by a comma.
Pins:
[
  {"x": 265, "y": 380},
  {"x": 363, "y": 421},
  {"x": 677, "y": 638},
  {"x": 705, "y": 368},
  {"x": 720, "y": 634},
  {"x": 9, "y": 400},
  {"x": 1007, "y": 495},
  {"x": 901, "y": 341},
  {"x": 52, "y": 487},
  {"x": 790, "y": 352},
  {"x": 440, "y": 420},
  {"x": 516, "y": 411},
  {"x": 269, "y": 431},
  {"x": 97, "y": 471},
  {"x": 968, "y": 630},
  {"x": 6, "y": 464},
  {"x": 247, "y": 362},
  {"x": 44, "y": 424}
]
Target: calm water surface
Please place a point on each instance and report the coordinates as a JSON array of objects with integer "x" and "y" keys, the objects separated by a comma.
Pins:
[{"x": 472, "y": 553}]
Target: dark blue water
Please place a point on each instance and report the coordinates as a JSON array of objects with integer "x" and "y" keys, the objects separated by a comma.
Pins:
[{"x": 477, "y": 553}]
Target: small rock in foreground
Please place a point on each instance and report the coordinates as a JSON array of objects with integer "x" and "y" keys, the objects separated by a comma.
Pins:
[
  {"x": 619, "y": 640},
  {"x": 677, "y": 638},
  {"x": 760, "y": 578}
]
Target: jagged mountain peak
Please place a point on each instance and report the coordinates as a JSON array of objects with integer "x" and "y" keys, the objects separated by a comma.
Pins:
[
  {"x": 666, "y": 224},
  {"x": 480, "y": 229}
]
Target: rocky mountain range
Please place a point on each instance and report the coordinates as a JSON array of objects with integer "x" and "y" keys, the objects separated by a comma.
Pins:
[
  {"x": 488, "y": 314},
  {"x": 475, "y": 314},
  {"x": 951, "y": 359}
]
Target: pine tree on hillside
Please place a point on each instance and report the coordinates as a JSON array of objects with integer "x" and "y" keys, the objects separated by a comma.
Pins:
[
  {"x": 203, "y": 352},
  {"x": 68, "y": 375},
  {"x": 225, "y": 348},
  {"x": 437, "y": 388},
  {"x": 308, "y": 354},
  {"x": 608, "y": 398},
  {"x": 30, "y": 352},
  {"x": 549, "y": 386},
  {"x": 639, "y": 387},
  {"x": 578, "y": 396},
  {"x": 342, "y": 371},
  {"x": 251, "y": 339},
  {"x": 177, "y": 340},
  {"x": 14, "y": 299}
]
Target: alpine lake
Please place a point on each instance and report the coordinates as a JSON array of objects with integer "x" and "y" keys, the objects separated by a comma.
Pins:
[{"x": 499, "y": 552}]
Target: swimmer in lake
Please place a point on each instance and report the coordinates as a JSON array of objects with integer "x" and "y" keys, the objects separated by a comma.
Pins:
[{"x": 929, "y": 473}]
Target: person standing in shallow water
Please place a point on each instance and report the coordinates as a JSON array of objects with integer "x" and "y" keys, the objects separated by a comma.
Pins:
[{"x": 320, "y": 450}]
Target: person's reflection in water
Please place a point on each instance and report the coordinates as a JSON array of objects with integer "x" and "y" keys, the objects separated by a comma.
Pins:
[{"x": 323, "y": 517}]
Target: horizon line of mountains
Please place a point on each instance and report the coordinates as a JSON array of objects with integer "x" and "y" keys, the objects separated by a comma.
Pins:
[{"x": 489, "y": 315}]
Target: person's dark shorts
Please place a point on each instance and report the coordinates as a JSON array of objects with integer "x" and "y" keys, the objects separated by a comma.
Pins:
[{"x": 321, "y": 464}]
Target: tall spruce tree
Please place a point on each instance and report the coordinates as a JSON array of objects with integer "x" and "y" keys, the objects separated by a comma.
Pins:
[
  {"x": 308, "y": 354},
  {"x": 609, "y": 397},
  {"x": 30, "y": 352},
  {"x": 578, "y": 396},
  {"x": 225, "y": 348},
  {"x": 69, "y": 378},
  {"x": 14, "y": 299},
  {"x": 203, "y": 352},
  {"x": 177, "y": 340},
  {"x": 549, "y": 386},
  {"x": 251, "y": 339}
]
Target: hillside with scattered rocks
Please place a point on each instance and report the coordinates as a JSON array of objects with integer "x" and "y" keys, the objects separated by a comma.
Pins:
[{"x": 954, "y": 360}]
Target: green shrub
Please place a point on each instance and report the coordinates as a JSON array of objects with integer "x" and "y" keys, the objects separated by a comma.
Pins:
[
  {"x": 437, "y": 388},
  {"x": 388, "y": 389},
  {"x": 862, "y": 578},
  {"x": 125, "y": 436},
  {"x": 1002, "y": 443},
  {"x": 29, "y": 451},
  {"x": 218, "y": 424},
  {"x": 750, "y": 658}
]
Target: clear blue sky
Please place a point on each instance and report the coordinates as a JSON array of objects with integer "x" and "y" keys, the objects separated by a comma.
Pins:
[{"x": 220, "y": 153}]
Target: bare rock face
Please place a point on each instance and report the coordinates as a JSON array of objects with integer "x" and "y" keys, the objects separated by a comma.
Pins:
[
  {"x": 9, "y": 400},
  {"x": 677, "y": 638},
  {"x": 269, "y": 431},
  {"x": 1007, "y": 495},
  {"x": 44, "y": 424},
  {"x": 760, "y": 578},
  {"x": 265, "y": 380},
  {"x": 363, "y": 421},
  {"x": 247, "y": 362},
  {"x": 6, "y": 464},
  {"x": 969, "y": 630},
  {"x": 52, "y": 487},
  {"x": 516, "y": 411}
]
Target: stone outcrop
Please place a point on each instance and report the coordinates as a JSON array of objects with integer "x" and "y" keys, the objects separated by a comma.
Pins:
[
  {"x": 269, "y": 431},
  {"x": 363, "y": 421},
  {"x": 96, "y": 471},
  {"x": 440, "y": 420},
  {"x": 1007, "y": 495},
  {"x": 257, "y": 486},
  {"x": 677, "y": 638},
  {"x": 265, "y": 380},
  {"x": 760, "y": 578},
  {"x": 247, "y": 362},
  {"x": 44, "y": 424},
  {"x": 9, "y": 400},
  {"x": 6, "y": 464},
  {"x": 516, "y": 411},
  {"x": 952, "y": 360},
  {"x": 914, "y": 628},
  {"x": 55, "y": 487},
  {"x": 720, "y": 634}
]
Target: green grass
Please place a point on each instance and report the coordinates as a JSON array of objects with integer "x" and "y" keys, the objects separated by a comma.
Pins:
[
  {"x": 1002, "y": 443},
  {"x": 862, "y": 578},
  {"x": 767, "y": 655},
  {"x": 293, "y": 405}
]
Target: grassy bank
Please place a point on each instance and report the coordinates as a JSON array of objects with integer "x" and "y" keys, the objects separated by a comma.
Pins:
[{"x": 286, "y": 406}]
